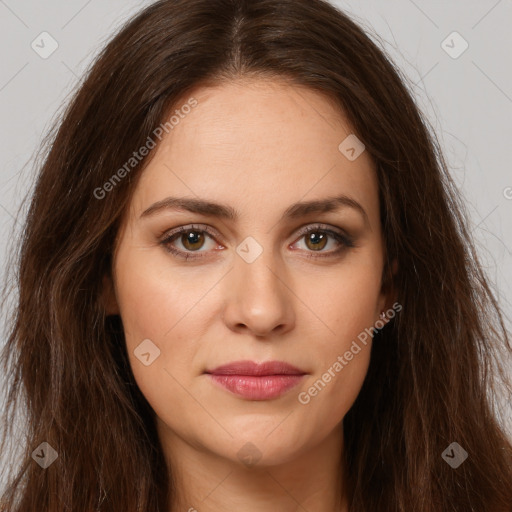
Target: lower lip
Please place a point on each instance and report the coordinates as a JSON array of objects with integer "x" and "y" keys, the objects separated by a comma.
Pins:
[{"x": 263, "y": 387}]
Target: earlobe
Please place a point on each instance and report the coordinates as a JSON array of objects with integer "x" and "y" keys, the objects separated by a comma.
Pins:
[{"x": 108, "y": 297}]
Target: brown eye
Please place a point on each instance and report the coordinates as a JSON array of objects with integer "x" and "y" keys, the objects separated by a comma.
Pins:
[
  {"x": 321, "y": 242},
  {"x": 189, "y": 242},
  {"x": 316, "y": 241},
  {"x": 192, "y": 240}
]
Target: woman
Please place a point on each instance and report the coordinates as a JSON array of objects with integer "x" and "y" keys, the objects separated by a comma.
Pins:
[{"x": 246, "y": 282}]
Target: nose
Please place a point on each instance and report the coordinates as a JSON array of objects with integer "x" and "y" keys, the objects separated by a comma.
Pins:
[{"x": 259, "y": 297}]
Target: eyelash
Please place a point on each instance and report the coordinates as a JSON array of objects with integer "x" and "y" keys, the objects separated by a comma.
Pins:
[{"x": 344, "y": 240}]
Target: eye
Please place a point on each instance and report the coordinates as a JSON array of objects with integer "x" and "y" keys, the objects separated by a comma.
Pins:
[
  {"x": 316, "y": 238},
  {"x": 191, "y": 239}
]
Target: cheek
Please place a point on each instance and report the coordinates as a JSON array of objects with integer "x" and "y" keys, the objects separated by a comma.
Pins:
[
  {"x": 155, "y": 300},
  {"x": 347, "y": 305},
  {"x": 327, "y": 397},
  {"x": 340, "y": 370},
  {"x": 158, "y": 312},
  {"x": 348, "y": 302}
]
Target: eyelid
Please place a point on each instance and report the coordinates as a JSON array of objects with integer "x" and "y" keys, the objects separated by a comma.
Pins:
[
  {"x": 189, "y": 227},
  {"x": 305, "y": 229}
]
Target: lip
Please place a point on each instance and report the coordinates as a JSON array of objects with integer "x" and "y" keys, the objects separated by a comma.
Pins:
[{"x": 257, "y": 381}]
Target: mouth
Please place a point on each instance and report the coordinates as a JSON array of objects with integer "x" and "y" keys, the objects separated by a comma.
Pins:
[{"x": 257, "y": 381}]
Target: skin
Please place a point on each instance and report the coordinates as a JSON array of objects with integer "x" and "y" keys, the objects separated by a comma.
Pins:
[{"x": 258, "y": 146}]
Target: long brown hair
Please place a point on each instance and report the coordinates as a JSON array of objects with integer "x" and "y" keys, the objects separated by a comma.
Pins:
[{"x": 434, "y": 370}]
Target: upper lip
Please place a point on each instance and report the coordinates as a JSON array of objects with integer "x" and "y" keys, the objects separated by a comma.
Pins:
[{"x": 258, "y": 369}]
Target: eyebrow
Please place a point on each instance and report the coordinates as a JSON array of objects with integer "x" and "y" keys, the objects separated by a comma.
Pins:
[{"x": 297, "y": 210}]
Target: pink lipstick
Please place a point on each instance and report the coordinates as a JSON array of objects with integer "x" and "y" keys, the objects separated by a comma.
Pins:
[{"x": 253, "y": 381}]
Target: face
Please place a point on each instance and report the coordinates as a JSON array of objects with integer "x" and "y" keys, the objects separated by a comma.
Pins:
[{"x": 263, "y": 278}]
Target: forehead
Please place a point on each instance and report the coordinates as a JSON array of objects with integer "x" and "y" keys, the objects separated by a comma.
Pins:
[{"x": 257, "y": 144}]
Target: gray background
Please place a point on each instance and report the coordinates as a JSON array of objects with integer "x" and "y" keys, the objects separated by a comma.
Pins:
[{"x": 467, "y": 99}]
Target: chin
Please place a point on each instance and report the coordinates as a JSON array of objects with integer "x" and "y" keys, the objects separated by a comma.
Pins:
[{"x": 259, "y": 450}]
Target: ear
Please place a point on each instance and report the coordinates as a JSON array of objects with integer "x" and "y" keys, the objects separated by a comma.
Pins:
[
  {"x": 389, "y": 294},
  {"x": 108, "y": 296},
  {"x": 391, "y": 287}
]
